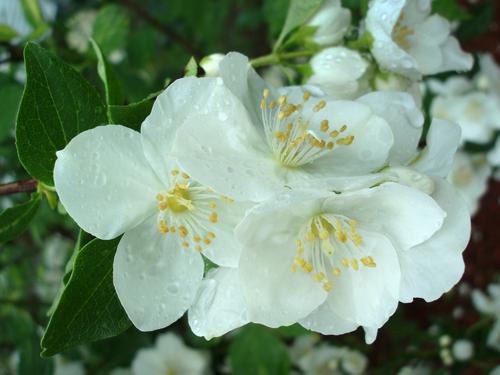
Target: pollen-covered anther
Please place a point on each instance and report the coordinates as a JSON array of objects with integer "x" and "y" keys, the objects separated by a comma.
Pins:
[
  {"x": 282, "y": 100},
  {"x": 368, "y": 261},
  {"x": 160, "y": 197},
  {"x": 211, "y": 235},
  {"x": 306, "y": 96},
  {"x": 196, "y": 238},
  {"x": 174, "y": 172},
  {"x": 198, "y": 248},
  {"x": 185, "y": 176},
  {"x": 354, "y": 264},
  {"x": 185, "y": 244},
  {"x": 346, "y": 140},
  {"x": 327, "y": 286},
  {"x": 319, "y": 277},
  {"x": 213, "y": 217},
  {"x": 334, "y": 133},
  {"x": 319, "y": 106},
  {"x": 324, "y": 126},
  {"x": 183, "y": 232}
]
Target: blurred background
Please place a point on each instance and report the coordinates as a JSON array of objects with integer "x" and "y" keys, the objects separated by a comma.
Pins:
[{"x": 149, "y": 42}]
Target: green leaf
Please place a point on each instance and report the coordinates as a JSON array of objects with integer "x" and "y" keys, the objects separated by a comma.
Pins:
[
  {"x": 108, "y": 76},
  {"x": 131, "y": 115},
  {"x": 15, "y": 220},
  {"x": 32, "y": 12},
  {"x": 10, "y": 96},
  {"x": 88, "y": 309},
  {"x": 450, "y": 9},
  {"x": 298, "y": 13},
  {"x": 58, "y": 103},
  {"x": 111, "y": 28},
  {"x": 7, "y": 33},
  {"x": 479, "y": 24},
  {"x": 191, "y": 69},
  {"x": 256, "y": 351}
]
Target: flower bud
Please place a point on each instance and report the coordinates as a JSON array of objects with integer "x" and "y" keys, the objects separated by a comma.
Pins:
[
  {"x": 210, "y": 64},
  {"x": 463, "y": 350},
  {"x": 332, "y": 22}
]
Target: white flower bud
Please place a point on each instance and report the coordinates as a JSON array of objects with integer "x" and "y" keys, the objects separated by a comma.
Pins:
[
  {"x": 444, "y": 340},
  {"x": 210, "y": 64},
  {"x": 340, "y": 72},
  {"x": 463, "y": 350},
  {"x": 332, "y": 22}
]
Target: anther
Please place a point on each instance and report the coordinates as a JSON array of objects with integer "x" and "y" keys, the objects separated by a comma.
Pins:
[
  {"x": 319, "y": 106},
  {"x": 324, "y": 126}
]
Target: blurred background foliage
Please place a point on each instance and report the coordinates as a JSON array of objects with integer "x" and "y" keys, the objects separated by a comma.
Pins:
[{"x": 149, "y": 42}]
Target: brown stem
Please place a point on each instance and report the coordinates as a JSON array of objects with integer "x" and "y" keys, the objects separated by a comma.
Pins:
[
  {"x": 16, "y": 53},
  {"x": 146, "y": 16},
  {"x": 18, "y": 187}
]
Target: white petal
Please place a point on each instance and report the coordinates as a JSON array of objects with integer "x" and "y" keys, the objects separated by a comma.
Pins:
[
  {"x": 155, "y": 278},
  {"x": 454, "y": 58},
  {"x": 327, "y": 322},
  {"x": 370, "y": 334},
  {"x": 405, "y": 119},
  {"x": 275, "y": 295},
  {"x": 147, "y": 361},
  {"x": 369, "y": 296},
  {"x": 219, "y": 306},
  {"x": 179, "y": 358},
  {"x": 370, "y": 147},
  {"x": 182, "y": 99},
  {"x": 406, "y": 215},
  {"x": 433, "y": 267},
  {"x": 443, "y": 140},
  {"x": 224, "y": 249},
  {"x": 244, "y": 83},
  {"x": 104, "y": 181},
  {"x": 229, "y": 156}
]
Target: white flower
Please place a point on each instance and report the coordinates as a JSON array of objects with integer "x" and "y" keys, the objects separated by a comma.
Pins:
[
  {"x": 395, "y": 82},
  {"x": 495, "y": 371},
  {"x": 408, "y": 40},
  {"x": 476, "y": 112},
  {"x": 80, "y": 27},
  {"x": 210, "y": 64},
  {"x": 340, "y": 72},
  {"x": 332, "y": 22},
  {"x": 470, "y": 174},
  {"x": 12, "y": 14},
  {"x": 488, "y": 78},
  {"x": 490, "y": 305},
  {"x": 169, "y": 356},
  {"x": 332, "y": 261},
  {"x": 275, "y": 76},
  {"x": 258, "y": 142},
  {"x": 462, "y": 350},
  {"x": 325, "y": 359},
  {"x": 113, "y": 180},
  {"x": 414, "y": 370}
]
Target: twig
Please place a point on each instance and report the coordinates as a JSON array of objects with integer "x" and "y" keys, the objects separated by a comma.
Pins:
[
  {"x": 16, "y": 53},
  {"x": 18, "y": 187},
  {"x": 146, "y": 16}
]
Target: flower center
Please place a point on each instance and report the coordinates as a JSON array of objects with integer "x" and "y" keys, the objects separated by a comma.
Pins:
[
  {"x": 401, "y": 32},
  {"x": 328, "y": 243},
  {"x": 189, "y": 210},
  {"x": 290, "y": 135}
]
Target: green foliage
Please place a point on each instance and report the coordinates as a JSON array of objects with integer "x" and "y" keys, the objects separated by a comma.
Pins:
[
  {"x": 450, "y": 9},
  {"x": 111, "y": 28},
  {"x": 256, "y": 351},
  {"x": 19, "y": 329},
  {"x": 298, "y": 13},
  {"x": 479, "y": 24},
  {"x": 7, "y": 33},
  {"x": 15, "y": 220},
  {"x": 108, "y": 76},
  {"x": 58, "y": 103},
  {"x": 10, "y": 95},
  {"x": 88, "y": 309},
  {"x": 191, "y": 68},
  {"x": 131, "y": 115}
]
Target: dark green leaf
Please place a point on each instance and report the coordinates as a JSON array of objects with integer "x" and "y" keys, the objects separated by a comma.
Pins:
[
  {"x": 7, "y": 33},
  {"x": 108, "y": 76},
  {"x": 15, "y": 220},
  {"x": 131, "y": 115},
  {"x": 298, "y": 13},
  {"x": 256, "y": 351},
  {"x": 479, "y": 24},
  {"x": 89, "y": 308},
  {"x": 32, "y": 12},
  {"x": 10, "y": 96},
  {"x": 111, "y": 28},
  {"x": 450, "y": 9},
  {"x": 58, "y": 103}
]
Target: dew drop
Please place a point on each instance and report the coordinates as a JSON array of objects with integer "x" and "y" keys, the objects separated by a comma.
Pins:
[{"x": 222, "y": 116}]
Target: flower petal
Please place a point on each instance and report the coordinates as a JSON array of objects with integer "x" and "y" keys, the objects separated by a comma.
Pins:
[
  {"x": 443, "y": 140},
  {"x": 155, "y": 278},
  {"x": 403, "y": 116},
  {"x": 104, "y": 181},
  {"x": 219, "y": 306},
  {"x": 369, "y": 296},
  {"x": 327, "y": 322},
  {"x": 275, "y": 295},
  {"x": 406, "y": 215},
  {"x": 181, "y": 100},
  {"x": 228, "y": 155},
  {"x": 433, "y": 267}
]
